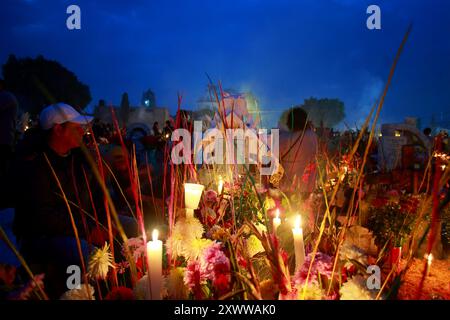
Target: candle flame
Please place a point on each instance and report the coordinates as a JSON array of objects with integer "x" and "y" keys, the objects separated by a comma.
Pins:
[
  {"x": 155, "y": 235},
  {"x": 277, "y": 213},
  {"x": 220, "y": 185},
  {"x": 430, "y": 258},
  {"x": 298, "y": 221}
]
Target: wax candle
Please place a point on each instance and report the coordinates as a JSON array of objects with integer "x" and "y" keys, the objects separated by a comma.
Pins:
[
  {"x": 299, "y": 246},
  {"x": 220, "y": 186},
  {"x": 276, "y": 221},
  {"x": 192, "y": 195},
  {"x": 429, "y": 260},
  {"x": 154, "y": 256}
]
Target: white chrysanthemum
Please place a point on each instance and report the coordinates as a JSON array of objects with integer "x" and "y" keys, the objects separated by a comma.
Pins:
[
  {"x": 254, "y": 246},
  {"x": 194, "y": 248},
  {"x": 188, "y": 228},
  {"x": 140, "y": 290},
  {"x": 85, "y": 292},
  {"x": 312, "y": 291},
  {"x": 175, "y": 245},
  {"x": 350, "y": 252},
  {"x": 184, "y": 232},
  {"x": 356, "y": 289},
  {"x": 174, "y": 284},
  {"x": 99, "y": 263}
]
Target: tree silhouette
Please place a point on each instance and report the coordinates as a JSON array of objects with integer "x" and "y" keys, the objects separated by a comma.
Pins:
[
  {"x": 324, "y": 112},
  {"x": 321, "y": 112},
  {"x": 124, "y": 108},
  {"x": 39, "y": 82}
]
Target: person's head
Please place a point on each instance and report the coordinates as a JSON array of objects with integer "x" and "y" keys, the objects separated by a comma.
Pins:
[
  {"x": 296, "y": 119},
  {"x": 168, "y": 123},
  {"x": 427, "y": 131},
  {"x": 156, "y": 124},
  {"x": 64, "y": 127},
  {"x": 117, "y": 157}
]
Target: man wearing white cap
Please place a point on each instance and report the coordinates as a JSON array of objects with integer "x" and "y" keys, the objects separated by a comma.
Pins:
[
  {"x": 43, "y": 224},
  {"x": 65, "y": 125}
]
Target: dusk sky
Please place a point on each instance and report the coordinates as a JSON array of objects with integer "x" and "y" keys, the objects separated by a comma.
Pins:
[{"x": 282, "y": 51}]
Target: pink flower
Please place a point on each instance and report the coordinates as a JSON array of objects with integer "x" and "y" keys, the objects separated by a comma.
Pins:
[
  {"x": 122, "y": 266},
  {"x": 211, "y": 196},
  {"x": 136, "y": 246},
  {"x": 217, "y": 267},
  {"x": 323, "y": 264},
  {"x": 213, "y": 265},
  {"x": 194, "y": 278}
]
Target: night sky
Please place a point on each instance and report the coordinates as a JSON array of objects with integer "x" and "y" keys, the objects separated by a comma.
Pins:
[{"x": 282, "y": 51}]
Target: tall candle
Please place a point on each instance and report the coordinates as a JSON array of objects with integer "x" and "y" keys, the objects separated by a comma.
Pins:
[
  {"x": 299, "y": 246},
  {"x": 429, "y": 259},
  {"x": 220, "y": 186},
  {"x": 154, "y": 256},
  {"x": 276, "y": 221}
]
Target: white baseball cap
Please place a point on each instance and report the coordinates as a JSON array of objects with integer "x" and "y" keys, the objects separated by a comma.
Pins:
[{"x": 59, "y": 113}]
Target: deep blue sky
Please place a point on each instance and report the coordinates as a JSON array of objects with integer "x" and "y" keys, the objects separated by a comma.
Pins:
[{"x": 283, "y": 51}]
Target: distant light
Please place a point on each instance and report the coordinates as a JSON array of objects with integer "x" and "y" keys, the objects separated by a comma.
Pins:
[
  {"x": 397, "y": 133},
  {"x": 380, "y": 134},
  {"x": 147, "y": 102}
]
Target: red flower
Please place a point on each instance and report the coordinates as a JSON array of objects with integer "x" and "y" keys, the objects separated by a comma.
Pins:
[
  {"x": 379, "y": 202},
  {"x": 241, "y": 261},
  {"x": 221, "y": 283},
  {"x": 285, "y": 256}
]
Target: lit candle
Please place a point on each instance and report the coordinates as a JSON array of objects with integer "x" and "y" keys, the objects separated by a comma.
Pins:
[
  {"x": 276, "y": 221},
  {"x": 220, "y": 186},
  {"x": 429, "y": 259},
  {"x": 192, "y": 195},
  {"x": 154, "y": 256},
  {"x": 299, "y": 246}
]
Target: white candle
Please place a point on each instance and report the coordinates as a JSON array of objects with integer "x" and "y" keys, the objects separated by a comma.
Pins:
[
  {"x": 220, "y": 186},
  {"x": 154, "y": 256},
  {"x": 429, "y": 259},
  {"x": 299, "y": 246},
  {"x": 276, "y": 221},
  {"x": 192, "y": 195}
]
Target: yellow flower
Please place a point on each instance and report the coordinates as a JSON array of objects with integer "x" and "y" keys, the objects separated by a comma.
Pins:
[
  {"x": 188, "y": 228},
  {"x": 356, "y": 289},
  {"x": 84, "y": 292},
  {"x": 99, "y": 263},
  {"x": 269, "y": 203},
  {"x": 184, "y": 232},
  {"x": 254, "y": 246},
  {"x": 261, "y": 227},
  {"x": 194, "y": 248},
  {"x": 310, "y": 292},
  {"x": 175, "y": 286}
]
